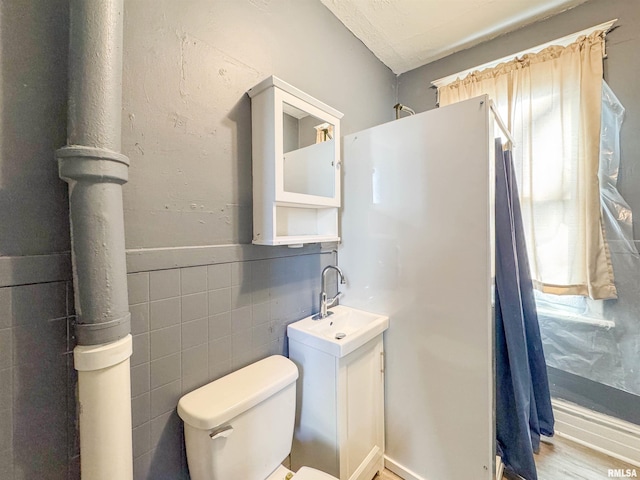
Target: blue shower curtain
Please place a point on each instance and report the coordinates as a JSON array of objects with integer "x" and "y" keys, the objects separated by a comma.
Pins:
[{"x": 523, "y": 401}]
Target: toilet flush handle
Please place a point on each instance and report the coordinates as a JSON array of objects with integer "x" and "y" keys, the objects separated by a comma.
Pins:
[{"x": 223, "y": 432}]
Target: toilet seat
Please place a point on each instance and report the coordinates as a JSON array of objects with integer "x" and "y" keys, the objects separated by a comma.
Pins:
[{"x": 307, "y": 473}]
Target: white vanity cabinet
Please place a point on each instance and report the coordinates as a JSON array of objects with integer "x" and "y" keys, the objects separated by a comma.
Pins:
[
  {"x": 296, "y": 166},
  {"x": 340, "y": 418}
]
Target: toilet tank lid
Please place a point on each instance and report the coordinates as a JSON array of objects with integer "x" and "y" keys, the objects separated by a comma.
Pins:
[{"x": 220, "y": 401}]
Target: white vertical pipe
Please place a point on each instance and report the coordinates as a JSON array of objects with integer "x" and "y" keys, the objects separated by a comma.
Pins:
[{"x": 104, "y": 394}]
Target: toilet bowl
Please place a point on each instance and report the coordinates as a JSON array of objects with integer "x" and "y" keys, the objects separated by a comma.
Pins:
[{"x": 240, "y": 427}]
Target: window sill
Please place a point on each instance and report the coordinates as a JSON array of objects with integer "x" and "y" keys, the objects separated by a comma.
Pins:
[{"x": 575, "y": 318}]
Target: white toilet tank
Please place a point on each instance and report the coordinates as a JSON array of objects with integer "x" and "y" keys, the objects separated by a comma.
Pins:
[{"x": 240, "y": 427}]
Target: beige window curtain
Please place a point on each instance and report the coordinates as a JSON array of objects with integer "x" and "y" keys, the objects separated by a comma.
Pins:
[{"x": 552, "y": 103}]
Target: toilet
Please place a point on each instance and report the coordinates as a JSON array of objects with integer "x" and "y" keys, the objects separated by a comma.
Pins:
[{"x": 240, "y": 427}]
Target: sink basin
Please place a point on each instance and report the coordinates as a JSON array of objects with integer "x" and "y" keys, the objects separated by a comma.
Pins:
[{"x": 340, "y": 333}]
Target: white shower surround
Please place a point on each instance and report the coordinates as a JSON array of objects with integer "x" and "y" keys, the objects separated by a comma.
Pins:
[{"x": 418, "y": 246}]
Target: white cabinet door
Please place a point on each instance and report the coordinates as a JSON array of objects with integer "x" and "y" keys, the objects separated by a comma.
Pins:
[
  {"x": 340, "y": 421},
  {"x": 361, "y": 404}
]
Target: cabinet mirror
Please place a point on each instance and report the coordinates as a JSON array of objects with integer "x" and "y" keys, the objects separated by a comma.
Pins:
[{"x": 309, "y": 153}]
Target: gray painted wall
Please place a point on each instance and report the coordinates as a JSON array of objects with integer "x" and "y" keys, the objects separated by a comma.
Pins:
[
  {"x": 187, "y": 118},
  {"x": 37, "y": 380},
  {"x": 622, "y": 70},
  {"x": 197, "y": 313},
  {"x": 186, "y": 128},
  {"x": 33, "y": 91},
  {"x": 38, "y": 437}
]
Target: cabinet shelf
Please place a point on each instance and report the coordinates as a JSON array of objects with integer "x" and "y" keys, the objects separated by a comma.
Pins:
[{"x": 293, "y": 240}]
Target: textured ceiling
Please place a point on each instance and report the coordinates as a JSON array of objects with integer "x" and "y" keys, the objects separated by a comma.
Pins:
[{"x": 405, "y": 34}]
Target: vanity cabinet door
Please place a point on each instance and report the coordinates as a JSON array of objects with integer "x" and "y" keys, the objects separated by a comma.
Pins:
[
  {"x": 361, "y": 411},
  {"x": 340, "y": 421}
]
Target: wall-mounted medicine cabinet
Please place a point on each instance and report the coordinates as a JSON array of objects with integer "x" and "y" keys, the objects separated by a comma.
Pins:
[{"x": 296, "y": 166}]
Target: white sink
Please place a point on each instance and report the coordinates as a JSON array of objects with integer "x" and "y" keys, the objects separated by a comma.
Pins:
[{"x": 340, "y": 333}]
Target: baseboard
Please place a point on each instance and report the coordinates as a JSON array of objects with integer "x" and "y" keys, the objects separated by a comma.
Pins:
[
  {"x": 602, "y": 433},
  {"x": 609, "y": 435},
  {"x": 499, "y": 468},
  {"x": 399, "y": 470},
  {"x": 406, "y": 474}
]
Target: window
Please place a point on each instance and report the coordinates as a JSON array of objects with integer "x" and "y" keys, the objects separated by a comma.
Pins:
[{"x": 552, "y": 101}]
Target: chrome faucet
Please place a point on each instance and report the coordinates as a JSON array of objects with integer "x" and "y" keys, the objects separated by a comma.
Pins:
[{"x": 324, "y": 302}]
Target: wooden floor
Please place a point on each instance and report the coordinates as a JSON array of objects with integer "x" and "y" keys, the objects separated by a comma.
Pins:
[
  {"x": 387, "y": 475},
  {"x": 564, "y": 460}
]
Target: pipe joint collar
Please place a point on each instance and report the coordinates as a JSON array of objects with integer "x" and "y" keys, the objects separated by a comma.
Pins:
[
  {"x": 103, "y": 332},
  {"x": 98, "y": 165},
  {"x": 98, "y": 357}
]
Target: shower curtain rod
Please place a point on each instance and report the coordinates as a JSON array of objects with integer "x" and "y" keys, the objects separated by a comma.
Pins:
[
  {"x": 400, "y": 107},
  {"x": 606, "y": 27},
  {"x": 501, "y": 124}
]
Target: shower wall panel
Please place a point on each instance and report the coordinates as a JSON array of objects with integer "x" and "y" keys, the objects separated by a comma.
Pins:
[{"x": 417, "y": 246}]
